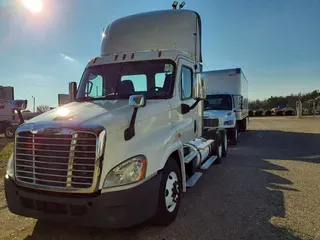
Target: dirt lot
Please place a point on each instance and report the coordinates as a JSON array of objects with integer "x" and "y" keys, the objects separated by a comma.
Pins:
[{"x": 267, "y": 188}]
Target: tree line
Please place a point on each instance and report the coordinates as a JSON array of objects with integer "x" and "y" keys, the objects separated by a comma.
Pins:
[{"x": 288, "y": 101}]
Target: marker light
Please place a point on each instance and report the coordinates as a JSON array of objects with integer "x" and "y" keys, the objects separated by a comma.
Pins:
[{"x": 174, "y": 5}]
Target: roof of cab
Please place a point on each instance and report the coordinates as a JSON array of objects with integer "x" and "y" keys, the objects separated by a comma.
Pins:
[{"x": 156, "y": 30}]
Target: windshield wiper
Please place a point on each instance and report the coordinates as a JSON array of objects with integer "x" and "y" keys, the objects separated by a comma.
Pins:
[
  {"x": 83, "y": 99},
  {"x": 159, "y": 94}
]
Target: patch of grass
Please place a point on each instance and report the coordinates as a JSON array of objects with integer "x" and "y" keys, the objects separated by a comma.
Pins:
[
  {"x": 4, "y": 155},
  {"x": 289, "y": 234}
]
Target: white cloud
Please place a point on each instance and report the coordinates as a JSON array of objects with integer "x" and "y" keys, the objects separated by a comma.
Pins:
[{"x": 66, "y": 57}]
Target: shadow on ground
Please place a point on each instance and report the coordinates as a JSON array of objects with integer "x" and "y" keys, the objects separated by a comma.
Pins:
[{"x": 234, "y": 200}]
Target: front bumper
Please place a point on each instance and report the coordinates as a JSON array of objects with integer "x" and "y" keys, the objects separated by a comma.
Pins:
[{"x": 118, "y": 209}]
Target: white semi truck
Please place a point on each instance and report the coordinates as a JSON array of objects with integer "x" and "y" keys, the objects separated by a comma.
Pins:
[
  {"x": 130, "y": 142},
  {"x": 227, "y": 99}
]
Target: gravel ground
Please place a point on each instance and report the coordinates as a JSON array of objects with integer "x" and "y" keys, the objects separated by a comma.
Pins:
[{"x": 267, "y": 188}]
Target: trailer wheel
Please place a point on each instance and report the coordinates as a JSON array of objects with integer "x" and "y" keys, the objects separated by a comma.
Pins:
[
  {"x": 225, "y": 145},
  {"x": 234, "y": 135},
  {"x": 169, "y": 194},
  {"x": 9, "y": 132}
]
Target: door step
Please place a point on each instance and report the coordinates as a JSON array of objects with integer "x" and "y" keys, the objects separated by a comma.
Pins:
[
  {"x": 190, "y": 157},
  {"x": 208, "y": 163},
  {"x": 194, "y": 178}
]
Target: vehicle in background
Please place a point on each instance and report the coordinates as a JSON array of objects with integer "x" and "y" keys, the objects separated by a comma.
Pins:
[
  {"x": 227, "y": 99},
  {"x": 7, "y": 120},
  {"x": 63, "y": 99},
  {"x": 131, "y": 141}
]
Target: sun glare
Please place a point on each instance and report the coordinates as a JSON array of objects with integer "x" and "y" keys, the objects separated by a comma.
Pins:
[{"x": 34, "y": 6}]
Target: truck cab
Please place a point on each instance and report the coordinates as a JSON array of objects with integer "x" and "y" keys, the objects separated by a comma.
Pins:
[
  {"x": 130, "y": 142},
  {"x": 227, "y": 101}
]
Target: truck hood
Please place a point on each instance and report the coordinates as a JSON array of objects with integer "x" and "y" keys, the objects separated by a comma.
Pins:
[
  {"x": 217, "y": 113},
  {"x": 113, "y": 115}
]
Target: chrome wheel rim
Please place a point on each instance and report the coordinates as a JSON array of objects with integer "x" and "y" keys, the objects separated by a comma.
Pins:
[{"x": 172, "y": 192}]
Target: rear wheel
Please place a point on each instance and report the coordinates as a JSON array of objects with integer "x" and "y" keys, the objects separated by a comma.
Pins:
[
  {"x": 169, "y": 194},
  {"x": 243, "y": 125}
]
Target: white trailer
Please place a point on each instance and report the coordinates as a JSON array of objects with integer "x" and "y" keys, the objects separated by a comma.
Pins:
[
  {"x": 130, "y": 142},
  {"x": 227, "y": 99}
]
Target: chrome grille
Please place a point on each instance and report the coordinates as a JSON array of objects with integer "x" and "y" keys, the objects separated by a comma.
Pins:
[
  {"x": 56, "y": 160},
  {"x": 211, "y": 122}
]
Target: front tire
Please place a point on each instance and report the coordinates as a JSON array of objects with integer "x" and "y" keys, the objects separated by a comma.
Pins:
[
  {"x": 235, "y": 135},
  {"x": 169, "y": 194},
  {"x": 218, "y": 149},
  {"x": 225, "y": 145}
]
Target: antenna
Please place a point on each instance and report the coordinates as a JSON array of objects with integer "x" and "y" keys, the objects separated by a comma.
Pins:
[
  {"x": 175, "y": 4},
  {"x": 181, "y": 5}
]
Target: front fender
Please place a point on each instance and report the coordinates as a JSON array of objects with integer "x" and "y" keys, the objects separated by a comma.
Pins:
[{"x": 156, "y": 143}]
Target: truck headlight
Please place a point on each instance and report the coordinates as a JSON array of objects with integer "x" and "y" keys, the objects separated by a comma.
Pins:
[
  {"x": 10, "y": 167},
  {"x": 230, "y": 122},
  {"x": 129, "y": 171}
]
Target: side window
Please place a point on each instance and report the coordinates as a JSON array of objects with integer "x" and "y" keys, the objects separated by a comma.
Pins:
[
  {"x": 95, "y": 86},
  {"x": 139, "y": 81},
  {"x": 160, "y": 77},
  {"x": 186, "y": 83}
]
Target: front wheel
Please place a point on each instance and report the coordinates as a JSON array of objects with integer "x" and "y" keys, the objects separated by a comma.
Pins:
[
  {"x": 218, "y": 148},
  {"x": 9, "y": 132},
  {"x": 234, "y": 135},
  {"x": 169, "y": 194},
  {"x": 225, "y": 145}
]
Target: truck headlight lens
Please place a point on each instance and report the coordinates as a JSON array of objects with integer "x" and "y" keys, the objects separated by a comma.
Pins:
[
  {"x": 130, "y": 171},
  {"x": 230, "y": 122},
  {"x": 10, "y": 167}
]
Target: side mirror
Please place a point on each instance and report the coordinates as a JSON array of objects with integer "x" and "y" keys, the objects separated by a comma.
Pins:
[
  {"x": 19, "y": 105},
  {"x": 72, "y": 91},
  {"x": 241, "y": 102},
  {"x": 200, "y": 88},
  {"x": 137, "y": 101}
]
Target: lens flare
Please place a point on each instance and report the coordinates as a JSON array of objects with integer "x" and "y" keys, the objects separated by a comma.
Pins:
[{"x": 34, "y": 6}]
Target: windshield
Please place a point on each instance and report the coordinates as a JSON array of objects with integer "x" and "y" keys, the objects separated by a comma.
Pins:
[
  {"x": 121, "y": 80},
  {"x": 218, "y": 102}
]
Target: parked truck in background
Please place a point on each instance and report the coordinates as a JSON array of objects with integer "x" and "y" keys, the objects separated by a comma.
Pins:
[
  {"x": 227, "y": 100},
  {"x": 100, "y": 161},
  {"x": 7, "y": 116}
]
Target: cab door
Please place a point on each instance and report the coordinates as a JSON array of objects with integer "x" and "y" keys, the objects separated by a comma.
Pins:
[{"x": 186, "y": 120}]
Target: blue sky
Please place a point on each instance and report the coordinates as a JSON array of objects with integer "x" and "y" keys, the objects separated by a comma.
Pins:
[{"x": 276, "y": 42}]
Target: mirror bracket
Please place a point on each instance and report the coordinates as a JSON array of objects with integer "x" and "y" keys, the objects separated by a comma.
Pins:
[
  {"x": 185, "y": 108},
  {"x": 130, "y": 132},
  {"x": 136, "y": 101},
  {"x": 72, "y": 91}
]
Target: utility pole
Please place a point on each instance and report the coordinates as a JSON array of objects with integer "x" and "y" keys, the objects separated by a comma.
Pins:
[{"x": 34, "y": 104}]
